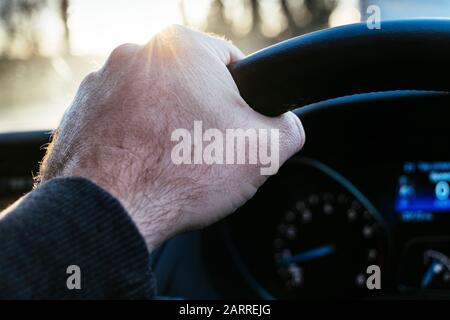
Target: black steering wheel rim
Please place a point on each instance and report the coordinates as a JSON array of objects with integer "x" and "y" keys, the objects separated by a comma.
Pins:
[{"x": 353, "y": 59}]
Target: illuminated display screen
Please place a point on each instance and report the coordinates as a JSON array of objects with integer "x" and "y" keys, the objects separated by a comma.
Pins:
[{"x": 424, "y": 187}]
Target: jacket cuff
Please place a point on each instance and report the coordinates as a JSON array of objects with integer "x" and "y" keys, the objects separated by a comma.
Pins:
[{"x": 72, "y": 221}]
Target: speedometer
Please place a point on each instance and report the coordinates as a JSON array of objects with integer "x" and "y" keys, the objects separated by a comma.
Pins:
[
  {"x": 310, "y": 232},
  {"x": 326, "y": 241}
]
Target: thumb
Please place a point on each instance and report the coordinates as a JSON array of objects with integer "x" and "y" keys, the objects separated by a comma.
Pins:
[{"x": 292, "y": 135}]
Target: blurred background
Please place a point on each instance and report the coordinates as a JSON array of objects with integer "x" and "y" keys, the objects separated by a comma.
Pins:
[{"x": 48, "y": 46}]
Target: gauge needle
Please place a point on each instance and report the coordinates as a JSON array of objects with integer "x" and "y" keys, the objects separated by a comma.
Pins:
[
  {"x": 428, "y": 276},
  {"x": 308, "y": 255}
]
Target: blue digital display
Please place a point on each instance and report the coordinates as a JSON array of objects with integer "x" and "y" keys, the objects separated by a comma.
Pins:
[{"x": 423, "y": 189}]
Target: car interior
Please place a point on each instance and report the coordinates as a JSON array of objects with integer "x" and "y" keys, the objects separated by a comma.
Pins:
[{"x": 371, "y": 187}]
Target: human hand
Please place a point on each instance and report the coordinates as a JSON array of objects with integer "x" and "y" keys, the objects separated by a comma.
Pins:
[{"x": 119, "y": 129}]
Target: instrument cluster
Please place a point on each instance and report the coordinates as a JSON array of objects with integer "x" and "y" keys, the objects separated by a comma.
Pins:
[{"x": 319, "y": 235}]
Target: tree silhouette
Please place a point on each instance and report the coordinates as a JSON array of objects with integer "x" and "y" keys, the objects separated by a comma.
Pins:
[
  {"x": 301, "y": 16},
  {"x": 64, "y": 12},
  {"x": 19, "y": 18}
]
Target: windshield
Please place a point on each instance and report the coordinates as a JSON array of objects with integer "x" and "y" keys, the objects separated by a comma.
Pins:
[{"x": 48, "y": 46}]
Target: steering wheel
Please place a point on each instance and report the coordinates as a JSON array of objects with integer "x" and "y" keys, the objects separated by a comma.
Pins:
[{"x": 402, "y": 55}]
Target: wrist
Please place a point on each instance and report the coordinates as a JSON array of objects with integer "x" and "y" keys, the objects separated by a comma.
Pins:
[
  {"x": 154, "y": 199},
  {"x": 153, "y": 213}
]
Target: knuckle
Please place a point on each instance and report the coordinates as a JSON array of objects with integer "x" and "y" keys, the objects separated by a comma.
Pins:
[
  {"x": 175, "y": 35},
  {"x": 122, "y": 52},
  {"x": 173, "y": 42},
  {"x": 176, "y": 29},
  {"x": 89, "y": 79}
]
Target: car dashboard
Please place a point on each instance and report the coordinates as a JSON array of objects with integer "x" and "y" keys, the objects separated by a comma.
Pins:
[{"x": 369, "y": 192}]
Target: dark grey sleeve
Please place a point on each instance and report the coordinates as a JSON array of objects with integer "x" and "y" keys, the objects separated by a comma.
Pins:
[{"x": 72, "y": 222}]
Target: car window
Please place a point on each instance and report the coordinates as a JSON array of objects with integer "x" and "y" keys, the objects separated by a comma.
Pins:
[{"x": 48, "y": 46}]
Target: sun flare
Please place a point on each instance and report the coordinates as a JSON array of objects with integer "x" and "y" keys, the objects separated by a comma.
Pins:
[{"x": 97, "y": 26}]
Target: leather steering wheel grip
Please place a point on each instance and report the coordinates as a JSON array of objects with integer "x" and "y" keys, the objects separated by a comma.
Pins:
[{"x": 402, "y": 55}]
